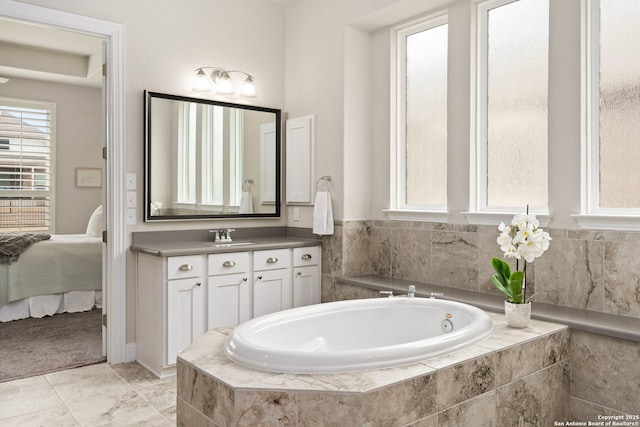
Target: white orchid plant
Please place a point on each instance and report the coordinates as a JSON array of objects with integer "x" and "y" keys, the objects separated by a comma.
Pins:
[{"x": 522, "y": 240}]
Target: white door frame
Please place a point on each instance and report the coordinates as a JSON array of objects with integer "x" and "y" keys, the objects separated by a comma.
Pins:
[{"x": 113, "y": 33}]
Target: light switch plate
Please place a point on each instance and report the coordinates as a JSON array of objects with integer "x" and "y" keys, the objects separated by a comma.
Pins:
[
  {"x": 131, "y": 181},
  {"x": 131, "y": 199},
  {"x": 130, "y": 216}
]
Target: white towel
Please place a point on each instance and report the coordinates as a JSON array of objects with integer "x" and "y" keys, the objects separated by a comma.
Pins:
[
  {"x": 323, "y": 214},
  {"x": 246, "y": 203}
]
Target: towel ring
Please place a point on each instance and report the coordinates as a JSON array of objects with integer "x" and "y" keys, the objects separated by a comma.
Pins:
[
  {"x": 326, "y": 179},
  {"x": 248, "y": 183}
]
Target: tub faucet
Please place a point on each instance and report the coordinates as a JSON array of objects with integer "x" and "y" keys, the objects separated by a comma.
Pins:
[
  {"x": 389, "y": 294},
  {"x": 412, "y": 292},
  {"x": 433, "y": 295}
]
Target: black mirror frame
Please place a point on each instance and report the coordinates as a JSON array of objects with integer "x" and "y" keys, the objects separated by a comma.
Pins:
[{"x": 148, "y": 95}]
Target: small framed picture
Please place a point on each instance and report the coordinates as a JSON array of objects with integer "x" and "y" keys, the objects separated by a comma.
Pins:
[{"x": 88, "y": 177}]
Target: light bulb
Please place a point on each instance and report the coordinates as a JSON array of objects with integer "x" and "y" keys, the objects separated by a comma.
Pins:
[
  {"x": 224, "y": 84},
  {"x": 201, "y": 83},
  {"x": 248, "y": 88}
]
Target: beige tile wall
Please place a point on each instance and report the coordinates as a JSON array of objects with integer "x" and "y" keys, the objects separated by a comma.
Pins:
[{"x": 590, "y": 270}]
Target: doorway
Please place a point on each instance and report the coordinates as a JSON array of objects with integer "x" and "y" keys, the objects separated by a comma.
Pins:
[{"x": 114, "y": 258}]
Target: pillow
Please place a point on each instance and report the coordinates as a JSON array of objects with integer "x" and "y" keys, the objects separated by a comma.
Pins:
[{"x": 96, "y": 223}]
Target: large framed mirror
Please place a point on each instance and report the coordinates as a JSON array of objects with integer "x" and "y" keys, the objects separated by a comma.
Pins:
[{"x": 207, "y": 159}]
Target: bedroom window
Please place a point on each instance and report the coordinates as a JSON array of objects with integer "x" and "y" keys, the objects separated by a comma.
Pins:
[
  {"x": 421, "y": 123},
  {"x": 613, "y": 108},
  {"x": 26, "y": 165},
  {"x": 512, "y": 107}
]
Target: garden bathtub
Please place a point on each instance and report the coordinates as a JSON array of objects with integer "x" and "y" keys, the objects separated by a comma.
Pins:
[{"x": 356, "y": 335}]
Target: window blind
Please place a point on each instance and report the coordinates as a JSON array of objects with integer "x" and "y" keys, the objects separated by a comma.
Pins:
[{"x": 25, "y": 167}]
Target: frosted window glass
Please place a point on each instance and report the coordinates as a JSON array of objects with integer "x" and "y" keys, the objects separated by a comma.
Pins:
[
  {"x": 517, "y": 64},
  {"x": 426, "y": 117},
  {"x": 619, "y": 103}
]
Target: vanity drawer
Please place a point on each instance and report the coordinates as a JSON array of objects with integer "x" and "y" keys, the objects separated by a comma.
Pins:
[
  {"x": 228, "y": 263},
  {"x": 306, "y": 256},
  {"x": 181, "y": 267},
  {"x": 272, "y": 259}
]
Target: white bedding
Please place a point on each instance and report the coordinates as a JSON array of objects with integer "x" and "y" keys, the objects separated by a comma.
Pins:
[
  {"x": 48, "y": 305},
  {"x": 64, "y": 263}
]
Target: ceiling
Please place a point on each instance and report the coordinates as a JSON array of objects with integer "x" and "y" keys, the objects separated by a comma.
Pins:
[{"x": 43, "y": 53}]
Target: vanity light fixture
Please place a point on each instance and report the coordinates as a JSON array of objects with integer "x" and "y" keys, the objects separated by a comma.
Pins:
[{"x": 222, "y": 83}]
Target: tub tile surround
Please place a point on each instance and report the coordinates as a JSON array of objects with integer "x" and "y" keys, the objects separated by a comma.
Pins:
[
  {"x": 605, "y": 370},
  {"x": 480, "y": 383},
  {"x": 588, "y": 270}
]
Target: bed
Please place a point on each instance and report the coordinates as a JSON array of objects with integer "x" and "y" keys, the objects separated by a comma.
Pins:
[{"x": 57, "y": 275}]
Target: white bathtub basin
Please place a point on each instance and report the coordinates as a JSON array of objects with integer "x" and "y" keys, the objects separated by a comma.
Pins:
[{"x": 356, "y": 335}]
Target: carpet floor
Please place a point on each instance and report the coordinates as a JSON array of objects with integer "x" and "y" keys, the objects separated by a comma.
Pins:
[{"x": 30, "y": 347}]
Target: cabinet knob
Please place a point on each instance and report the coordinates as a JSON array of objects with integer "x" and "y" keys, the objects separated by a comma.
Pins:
[
  {"x": 306, "y": 257},
  {"x": 186, "y": 267},
  {"x": 229, "y": 264},
  {"x": 272, "y": 260},
  {"x": 299, "y": 273},
  {"x": 259, "y": 277},
  {"x": 198, "y": 284},
  {"x": 244, "y": 279}
]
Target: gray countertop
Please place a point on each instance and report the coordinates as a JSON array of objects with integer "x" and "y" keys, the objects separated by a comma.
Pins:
[
  {"x": 584, "y": 320},
  {"x": 200, "y": 247}
]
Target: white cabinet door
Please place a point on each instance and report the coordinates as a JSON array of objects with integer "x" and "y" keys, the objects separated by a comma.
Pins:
[
  {"x": 229, "y": 300},
  {"x": 271, "y": 291},
  {"x": 185, "y": 314},
  {"x": 306, "y": 285},
  {"x": 301, "y": 159}
]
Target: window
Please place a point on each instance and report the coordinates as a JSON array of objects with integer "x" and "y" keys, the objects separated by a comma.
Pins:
[
  {"x": 613, "y": 108},
  {"x": 26, "y": 171},
  {"x": 200, "y": 177},
  {"x": 421, "y": 105},
  {"x": 511, "y": 136}
]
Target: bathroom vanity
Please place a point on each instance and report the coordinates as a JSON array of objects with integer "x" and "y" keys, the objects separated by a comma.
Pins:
[{"x": 185, "y": 288}]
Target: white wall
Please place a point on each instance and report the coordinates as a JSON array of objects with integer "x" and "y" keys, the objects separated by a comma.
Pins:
[
  {"x": 338, "y": 67},
  {"x": 78, "y": 144},
  {"x": 164, "y": 42}
]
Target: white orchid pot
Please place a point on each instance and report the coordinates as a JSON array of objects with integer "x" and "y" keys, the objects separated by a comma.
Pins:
[{"x": 518, "y": 315}]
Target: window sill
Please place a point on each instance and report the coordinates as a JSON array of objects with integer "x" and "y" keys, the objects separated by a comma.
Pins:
[
  {"x": 416, "y": 215},
  {"x": 494, "y": 218},
  {"x": 608, "y": 222}
]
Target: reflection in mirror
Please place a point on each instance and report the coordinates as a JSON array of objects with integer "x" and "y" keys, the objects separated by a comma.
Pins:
[{"x": 208, "y": 159}]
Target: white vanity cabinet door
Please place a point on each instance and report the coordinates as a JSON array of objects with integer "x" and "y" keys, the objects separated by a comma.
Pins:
[
  {"x": 229, "y": 298},
  {"x": 272, "y": 289},
  {"x": 306, "y": 276},
  {"x": 185, "y": 314},
  {"x": 306, "y": 286}
]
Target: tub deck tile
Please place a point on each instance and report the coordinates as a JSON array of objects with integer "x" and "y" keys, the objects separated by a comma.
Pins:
[{"x": 486, "y": 381}]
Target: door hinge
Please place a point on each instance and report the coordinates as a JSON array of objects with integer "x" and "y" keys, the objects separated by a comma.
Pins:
[
  {"x": 104, "y": 236},
  {"x": 104, "y": 70},
  {"x": 104, "y": 153},
  {"x": 104, "y": 320}
]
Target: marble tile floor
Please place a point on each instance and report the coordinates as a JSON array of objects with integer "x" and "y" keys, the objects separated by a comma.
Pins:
[{"x": 96, "y": 395}]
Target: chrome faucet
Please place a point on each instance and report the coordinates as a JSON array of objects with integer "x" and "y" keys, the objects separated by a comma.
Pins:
[
  {"x": 222, "y": 235},
  {"x": 412, "y": 291},
  {"x": 433, "y": 295},
  {"x": 387, "y": 293}
]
